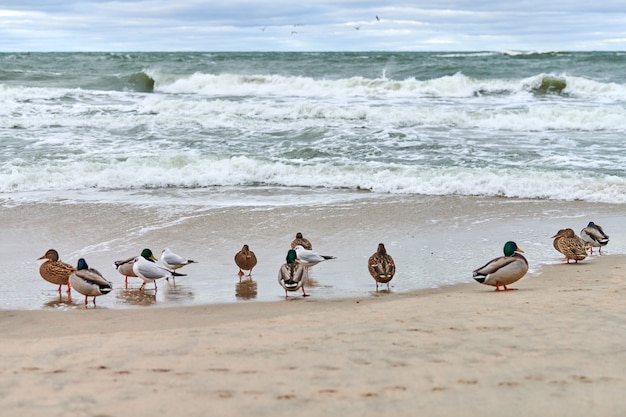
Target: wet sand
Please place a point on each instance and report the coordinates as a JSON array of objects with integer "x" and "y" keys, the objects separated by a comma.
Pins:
[
  {"x": 554, "y": 347},
  {"x": 435, "y": 241}
]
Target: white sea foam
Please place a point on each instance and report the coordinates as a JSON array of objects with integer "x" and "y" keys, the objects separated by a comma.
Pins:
[
  {"x": 451, "y": 86},
  {"x": 190, "y": 172},
  {"x": 551, "y": 135}
]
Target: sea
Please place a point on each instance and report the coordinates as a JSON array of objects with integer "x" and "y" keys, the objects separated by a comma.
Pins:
[{"x": 274, "y": 130}]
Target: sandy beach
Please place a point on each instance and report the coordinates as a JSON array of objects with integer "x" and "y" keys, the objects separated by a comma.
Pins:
[{"x": 554, "y": 347}]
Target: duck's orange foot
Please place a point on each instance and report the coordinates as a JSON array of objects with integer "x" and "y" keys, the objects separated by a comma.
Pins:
[{"x": 504, "y": 288}]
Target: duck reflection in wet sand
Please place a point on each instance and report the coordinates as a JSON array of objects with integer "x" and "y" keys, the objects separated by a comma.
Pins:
[
  {"x": 136, "y": 297},
  {"x": 59, "y": 302},
  {"x": 178, "y": 293},
  {"x": 246, "y": 289}
]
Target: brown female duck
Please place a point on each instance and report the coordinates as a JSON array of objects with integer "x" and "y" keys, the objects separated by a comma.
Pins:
[
  {"x": 570, "y": 245},
  {"x": 245, "y": 260},
  {"x": 381, "y": 266},
  {"x": 55, "y": 271}
]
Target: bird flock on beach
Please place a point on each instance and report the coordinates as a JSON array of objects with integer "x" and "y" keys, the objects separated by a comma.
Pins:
[{"x": 293, "y": 274}]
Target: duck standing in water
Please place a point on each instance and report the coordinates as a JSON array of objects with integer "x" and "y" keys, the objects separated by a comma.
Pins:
[
  {"x": 55, "y": 271},
  {"x": 125, "y": 266},
  {"x": 504, "y": 270},
  {"x": 245, "y": 260},
  {"x": 89, "y": 282},
  {"x": 302, "y": 241},
  {"x": 291, "y": 274},
  {"x": 381, "y": 266}
]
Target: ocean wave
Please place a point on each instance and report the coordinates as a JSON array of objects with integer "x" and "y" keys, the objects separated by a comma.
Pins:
[
  {"x": 187, "y": 171},
  {"x": 447, "y": 86},
  {"x": 38, "y": 109}
]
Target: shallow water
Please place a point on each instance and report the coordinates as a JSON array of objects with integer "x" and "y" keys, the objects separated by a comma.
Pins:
[{"x": 435, "y": 241}]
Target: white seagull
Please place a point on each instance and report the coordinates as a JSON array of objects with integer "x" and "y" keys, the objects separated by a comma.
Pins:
[
  {"x": 149, "y": 271},
  {"x": 310, "y": 258},
  {"x": 174, "y": 261}
]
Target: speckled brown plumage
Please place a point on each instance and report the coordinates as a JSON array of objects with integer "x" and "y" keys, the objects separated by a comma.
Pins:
[
  {"x": 570, "y": 245},
  {"x": 55, "y": 271},
  {"x": 381, "y": 266},
  {"x": 245, "y": 260},
  {"x": 302, "y": 241}
]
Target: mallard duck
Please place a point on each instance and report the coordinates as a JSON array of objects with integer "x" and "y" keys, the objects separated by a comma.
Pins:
[
  {"x": 245, "y": 260},
  {"x": 173, "y": 261},
  {"x": 302, "y": 241},
  {"x": 504, "y": 270},
  {"x": 291, "y": 274},
  {"x": 570, "y": 245},
  {"x": 594, "y": 236},
  {"x": 89, "y": 282},
  {"x": 55, "y": 271},
  {"x": 381, "y": 266},
  {"x": 150, "y": 272},
  {"x": 125, "y": 266}
]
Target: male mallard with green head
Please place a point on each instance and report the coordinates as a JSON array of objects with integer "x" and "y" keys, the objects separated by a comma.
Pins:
[
  {"x": 89, "y": 281},
  {"x": 504, "y": 270},
  {"x": 595, "y": 237},
  {"x": 125, "y": 266},
  {"x": 291, "y": 274}
]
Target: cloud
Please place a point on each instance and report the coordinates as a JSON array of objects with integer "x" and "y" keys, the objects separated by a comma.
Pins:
[{"x": 159, "y": 25}]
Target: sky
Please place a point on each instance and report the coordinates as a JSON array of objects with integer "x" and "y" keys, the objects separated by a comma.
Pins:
[{"x": 339, "y": 25}]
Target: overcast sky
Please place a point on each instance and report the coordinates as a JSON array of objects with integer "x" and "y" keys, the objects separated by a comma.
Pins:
[{"x": 339, "y": 25}]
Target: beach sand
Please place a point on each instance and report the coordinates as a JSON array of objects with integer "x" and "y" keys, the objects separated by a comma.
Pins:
[{"x": 555, "y": 347}]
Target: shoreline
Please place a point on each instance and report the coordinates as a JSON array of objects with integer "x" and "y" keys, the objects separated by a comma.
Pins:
[
  {"x": 435, "y": 241},
  {"x": 553, "y": 347}
]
